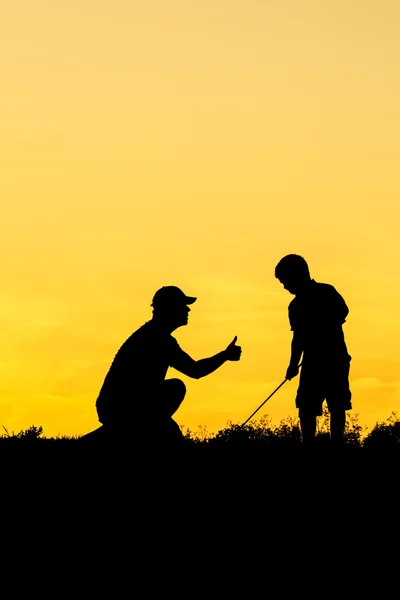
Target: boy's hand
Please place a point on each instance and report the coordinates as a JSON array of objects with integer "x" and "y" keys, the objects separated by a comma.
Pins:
[
  {"x": 292, "y": 371},
  {"x": 232, "y": 351}
]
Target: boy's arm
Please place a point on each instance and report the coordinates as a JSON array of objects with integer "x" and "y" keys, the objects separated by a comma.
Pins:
[{"x": 296, "y": 352}]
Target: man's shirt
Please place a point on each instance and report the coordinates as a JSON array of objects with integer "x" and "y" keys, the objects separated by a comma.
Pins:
[{"x": 141, "y": 364}]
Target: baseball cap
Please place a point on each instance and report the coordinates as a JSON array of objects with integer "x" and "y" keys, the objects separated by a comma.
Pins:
[{"x": 170, "y": 295}]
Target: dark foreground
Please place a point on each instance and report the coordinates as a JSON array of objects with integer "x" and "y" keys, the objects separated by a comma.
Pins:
[
  {"x": 161, "y": 511},
  {"x": 237, "y": 461},
  {"x": 247, "y": 503}
]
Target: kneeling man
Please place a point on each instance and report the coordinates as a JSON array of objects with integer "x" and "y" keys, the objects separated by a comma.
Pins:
[{"x": 135, "y": 395}]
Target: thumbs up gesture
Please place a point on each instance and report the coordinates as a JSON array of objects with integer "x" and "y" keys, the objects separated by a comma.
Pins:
[{"x": 233, "y": 352}]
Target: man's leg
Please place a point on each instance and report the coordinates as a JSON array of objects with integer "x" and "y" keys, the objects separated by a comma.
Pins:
[
  {"x": 173, "y": 393},
  {"x": 338, "y": 423}
]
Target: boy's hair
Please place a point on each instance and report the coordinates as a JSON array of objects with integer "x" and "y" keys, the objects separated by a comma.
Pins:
[{"x": 291, "y": 265}]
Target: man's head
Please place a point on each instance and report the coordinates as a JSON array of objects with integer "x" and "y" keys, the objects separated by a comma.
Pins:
[
  {"x": 170, "y": 304},
  {"x": 292, "y": 271}
]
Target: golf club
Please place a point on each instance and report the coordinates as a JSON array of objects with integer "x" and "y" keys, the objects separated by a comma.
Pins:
[{"x": 262, "y": 404}]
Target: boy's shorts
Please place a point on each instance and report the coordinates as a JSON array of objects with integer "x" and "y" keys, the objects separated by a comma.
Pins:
[{"x": 319, "y": 382}]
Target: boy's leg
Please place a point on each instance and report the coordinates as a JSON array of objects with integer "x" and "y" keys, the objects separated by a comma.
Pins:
[
  {"x": 338, "y": 423},
  {"x": 339, "y": 400},
  {"x": 308, "y": 426},
  {"x": 309, "y": 399}
]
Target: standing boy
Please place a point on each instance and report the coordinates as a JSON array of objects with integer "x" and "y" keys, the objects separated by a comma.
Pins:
[{"x": 316, "y": 316}]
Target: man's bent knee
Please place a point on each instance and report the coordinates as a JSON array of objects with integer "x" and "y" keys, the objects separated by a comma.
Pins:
[
  {"x": 174, "y": 392},
  {"x": 175, "y": 387}
]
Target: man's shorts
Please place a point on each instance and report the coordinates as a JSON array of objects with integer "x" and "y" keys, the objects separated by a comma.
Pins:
[{"x": 324, "y": 381}]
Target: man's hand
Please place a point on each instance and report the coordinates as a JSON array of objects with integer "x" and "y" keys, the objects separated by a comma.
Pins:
[
  {"x": 292, "y": 371},
  {"x": 232, "y": 351}
]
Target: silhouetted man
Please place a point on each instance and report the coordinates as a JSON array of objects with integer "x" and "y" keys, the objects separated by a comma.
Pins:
[
  {"x": 135, "y": 394},
  {"x": 316, "y": 316}
]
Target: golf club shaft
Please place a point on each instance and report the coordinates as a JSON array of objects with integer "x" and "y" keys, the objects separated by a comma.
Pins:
[
  {"x": 262, "y": 404},
  {"x": 257, "y": 409}
]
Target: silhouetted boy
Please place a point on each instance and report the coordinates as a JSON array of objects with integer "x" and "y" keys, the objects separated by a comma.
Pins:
[
  {"x": 316, "y": 316},
  {"x": 135, "y": 395}
]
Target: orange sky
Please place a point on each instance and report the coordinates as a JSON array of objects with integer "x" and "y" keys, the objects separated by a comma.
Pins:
[{"x": 194, "y": 144}]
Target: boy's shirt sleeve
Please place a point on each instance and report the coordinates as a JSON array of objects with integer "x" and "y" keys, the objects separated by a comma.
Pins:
[
  {"x": 326, "y": 308},
  {"x": 339, "y": 308}
]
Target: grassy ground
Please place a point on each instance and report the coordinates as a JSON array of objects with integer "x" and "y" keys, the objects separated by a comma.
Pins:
[{"x": 259, "y": 434}]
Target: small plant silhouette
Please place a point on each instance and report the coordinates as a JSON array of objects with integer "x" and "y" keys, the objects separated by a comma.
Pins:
[
  {"x": 384, "y": 434},
  {"x": 32, "y": 433}
]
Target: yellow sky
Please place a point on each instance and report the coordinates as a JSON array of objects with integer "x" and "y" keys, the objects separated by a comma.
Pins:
[{"x": 194, "y": 144}]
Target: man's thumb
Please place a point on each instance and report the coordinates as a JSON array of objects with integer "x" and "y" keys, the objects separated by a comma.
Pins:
[{"x": 234, "y": 340}]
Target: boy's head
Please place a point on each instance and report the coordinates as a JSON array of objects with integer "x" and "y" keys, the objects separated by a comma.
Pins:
[{"x": 292, "y": 271}]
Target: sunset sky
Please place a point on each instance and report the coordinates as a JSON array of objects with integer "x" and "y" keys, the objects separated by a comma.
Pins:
[{"x": 194, "y": 143}]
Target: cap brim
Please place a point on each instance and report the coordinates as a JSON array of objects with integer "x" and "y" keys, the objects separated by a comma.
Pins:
[{"x": 190, "y": 299}]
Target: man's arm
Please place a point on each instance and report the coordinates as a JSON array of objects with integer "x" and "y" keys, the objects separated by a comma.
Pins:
[
  {"x": 296, "y": 352},
  {"x": 200, "y": 368}
]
